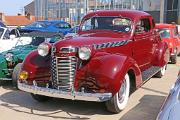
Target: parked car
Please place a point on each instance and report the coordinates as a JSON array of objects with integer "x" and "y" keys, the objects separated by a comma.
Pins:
[
  {"x": 8, "y": 40},
  {"x": 171, "y": 107},
  {"x": 169, "y": 34},
  {"x": 49, "y": 26},
  {"x": 11, "y": 60},
  {"x": 73, "y": 32},
  {"x": 113, "y": 54},
  {"x": 2, "y": 24}
]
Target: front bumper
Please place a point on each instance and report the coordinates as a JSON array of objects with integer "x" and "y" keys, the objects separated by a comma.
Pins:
[{"x": 98, "y": 97}]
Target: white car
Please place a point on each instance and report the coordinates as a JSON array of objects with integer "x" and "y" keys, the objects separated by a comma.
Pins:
[{"x": 8, "y": 41}]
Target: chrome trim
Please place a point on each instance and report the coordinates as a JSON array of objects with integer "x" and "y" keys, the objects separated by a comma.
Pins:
[
  {"x": 98, "y": 97},
  {"x": 7, "y": 69},
  {"x": 5, "y": 79},
  {"x": 68, "y": 49},
  {"x": 111, "y": 44},
  {"x": 63, "y": 72}
]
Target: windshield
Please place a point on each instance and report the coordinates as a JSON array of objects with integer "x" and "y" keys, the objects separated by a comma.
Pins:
[
  {"x": 164, "y": 33},
  {"x": 40, "y": 24},
  {"x": 1, "y": 32},
  {"x": 107, "y": 23}
]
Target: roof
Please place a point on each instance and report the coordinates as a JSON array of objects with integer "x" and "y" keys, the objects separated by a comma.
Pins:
[
  {"x": 17, "y": 20},
  {"x": 51, "y": 21},
  {"x": 132, "y": 14},
  {"x": 163, "y": 25}
]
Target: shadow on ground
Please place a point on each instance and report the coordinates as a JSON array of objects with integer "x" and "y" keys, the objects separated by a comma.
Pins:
[
  {"x": 148, "y": 107},
  {"x": 17, "y": 100}
]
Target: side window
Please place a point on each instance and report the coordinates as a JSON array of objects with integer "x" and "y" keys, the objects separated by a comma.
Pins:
[
  {"x": 15, "y": 32},
  {"x": 88, "y": 25},
  {"x": 144, "y": 25},
  {"x": 63, "y": 26}
]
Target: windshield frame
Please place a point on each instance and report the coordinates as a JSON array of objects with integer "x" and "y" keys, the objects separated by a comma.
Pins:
[{"x": 130, "y": 28}]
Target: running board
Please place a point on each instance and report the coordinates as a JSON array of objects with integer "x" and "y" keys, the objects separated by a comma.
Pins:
[{"x": 147, "y": 74}]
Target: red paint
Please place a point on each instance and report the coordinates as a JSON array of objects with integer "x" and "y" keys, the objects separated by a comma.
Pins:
[
  {"x": 108, "y": 66},
  {"x": 174, "y": 40}
]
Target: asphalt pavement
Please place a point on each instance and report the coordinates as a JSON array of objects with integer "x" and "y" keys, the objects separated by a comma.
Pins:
[{"x": 144, "y": 103}]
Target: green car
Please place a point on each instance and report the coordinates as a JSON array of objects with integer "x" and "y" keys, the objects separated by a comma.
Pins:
[{"x": 11, "y": 60}]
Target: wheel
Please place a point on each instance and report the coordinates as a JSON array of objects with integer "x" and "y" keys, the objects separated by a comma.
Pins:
[
  {"x": 119, "y": 101},
  {"x": 174, "y": 57},
  {"x": 15, "y": 74},
  {"x": 161, "y": 72},
  {"x": 40, "y": 98}
]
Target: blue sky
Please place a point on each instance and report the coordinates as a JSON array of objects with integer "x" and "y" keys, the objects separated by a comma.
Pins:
[{"x": 12, "y": 7}]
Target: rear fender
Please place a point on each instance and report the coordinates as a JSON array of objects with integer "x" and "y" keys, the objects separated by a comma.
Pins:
[{"x": 161, "y": 56}]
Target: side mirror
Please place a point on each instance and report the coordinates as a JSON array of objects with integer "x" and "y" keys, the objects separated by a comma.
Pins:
[{"x": 12, "y": 37}]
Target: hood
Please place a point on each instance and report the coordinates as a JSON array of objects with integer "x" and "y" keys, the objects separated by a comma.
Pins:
[
  {"x": 93, "y": 38},
  {"x": 21, "y": 51},
  {"x": 1, "y": 58}
]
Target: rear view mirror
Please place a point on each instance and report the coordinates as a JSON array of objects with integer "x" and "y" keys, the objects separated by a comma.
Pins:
[{"x": 12, "y": 37}]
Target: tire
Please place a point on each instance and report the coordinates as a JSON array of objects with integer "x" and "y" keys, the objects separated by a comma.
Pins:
[
  {"x": 119, "y": 101},
  {"x": 161, "y": 72},
  {"x": 174, "y": 57},
  {"x": 15, "y": 74},
  {"x": 178, "y": 54},
  {"x": 40, "y": 98}
]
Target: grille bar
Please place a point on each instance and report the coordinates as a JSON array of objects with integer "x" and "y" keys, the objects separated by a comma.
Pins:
[{"x": 63, "y": 72}]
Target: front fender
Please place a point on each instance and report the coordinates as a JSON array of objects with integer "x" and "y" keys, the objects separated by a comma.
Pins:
[
  {"x": 162, "y": 55},
  {"x": 3, "y": 65},
  {"x": 38, "y": 67},
  {"x": 108, "y": 72}
]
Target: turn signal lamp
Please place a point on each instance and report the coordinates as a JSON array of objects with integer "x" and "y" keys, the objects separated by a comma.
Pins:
[{"x": 23, "y": 75}]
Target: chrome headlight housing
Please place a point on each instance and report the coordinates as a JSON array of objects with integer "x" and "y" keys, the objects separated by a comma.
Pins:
[
  {"x": 43, "y": 49},
  {"x": 9, "y": 57},
  {"x": 84, "y": 53}
]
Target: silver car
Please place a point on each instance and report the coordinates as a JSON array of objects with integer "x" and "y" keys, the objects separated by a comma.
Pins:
[{"x": 171, "y": 107}]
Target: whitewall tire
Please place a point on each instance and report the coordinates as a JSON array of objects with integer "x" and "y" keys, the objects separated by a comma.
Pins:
[{"x": 119, "y": 101}]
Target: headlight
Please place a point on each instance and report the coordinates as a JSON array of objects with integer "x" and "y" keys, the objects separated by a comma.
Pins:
[
  {"x": 43, "y": 49},
  {"x": 170, "y": 45},
  {"x": 9, "y": 57},
  {"x": 84, "y": 53}
]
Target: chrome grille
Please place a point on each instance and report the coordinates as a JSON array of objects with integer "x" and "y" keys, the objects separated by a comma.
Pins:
[{"x": 63, "y": 72}]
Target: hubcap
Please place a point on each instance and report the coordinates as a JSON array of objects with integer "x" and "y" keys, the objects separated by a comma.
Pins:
[{"x": 122, "y": 92}]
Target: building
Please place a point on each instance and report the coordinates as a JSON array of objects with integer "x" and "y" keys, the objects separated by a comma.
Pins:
[
  {"x": 16, "y": 21},
  {"x": 30, "y": 9},
  {"x": 73, "y": 10}
]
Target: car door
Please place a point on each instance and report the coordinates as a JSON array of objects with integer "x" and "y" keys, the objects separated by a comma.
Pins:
[{"x": 143, "y": 45}]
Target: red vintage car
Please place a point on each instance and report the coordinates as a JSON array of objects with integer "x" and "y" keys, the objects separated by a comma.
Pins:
[
  {"x": 113, "y": 54},
  {"x": 169, "y": 34}
]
